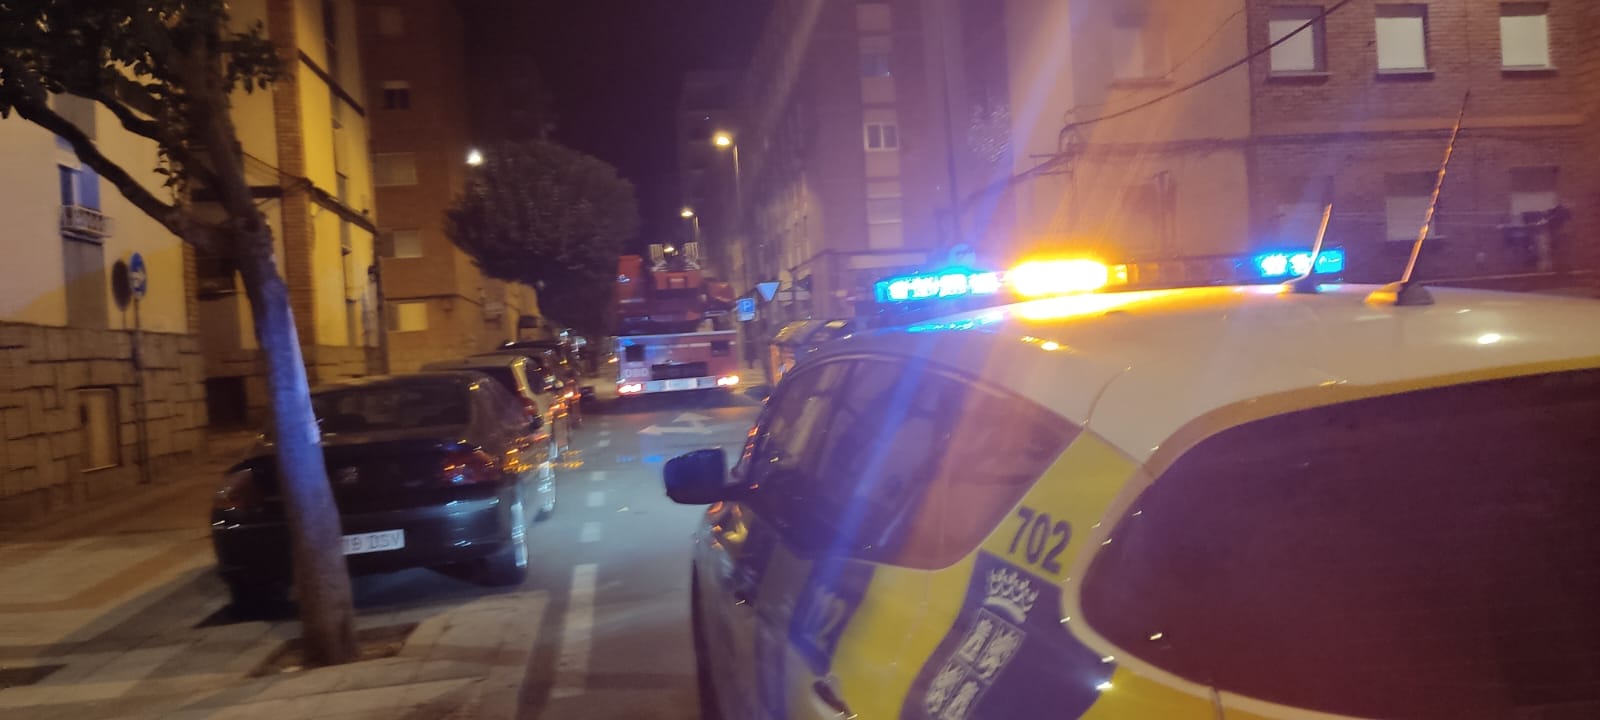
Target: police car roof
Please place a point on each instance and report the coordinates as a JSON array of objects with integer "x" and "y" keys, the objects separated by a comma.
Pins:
[{"x": 1136, "y": 367}]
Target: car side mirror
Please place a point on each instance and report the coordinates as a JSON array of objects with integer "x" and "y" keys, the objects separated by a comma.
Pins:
[
  {"x": 698, "y": 478},
  {"x": 759, "y": 392}
]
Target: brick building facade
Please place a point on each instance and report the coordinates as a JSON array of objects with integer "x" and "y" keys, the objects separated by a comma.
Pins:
[
  {"x": 1368, "y": 138},
  {"x": 1355, "y": 111},
  {"x": 438, "y": 304}
]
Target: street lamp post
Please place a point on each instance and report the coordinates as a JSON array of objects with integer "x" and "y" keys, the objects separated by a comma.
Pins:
[
  {"x": 694, "y": 220},
  {"x": 724, "y": 140}
]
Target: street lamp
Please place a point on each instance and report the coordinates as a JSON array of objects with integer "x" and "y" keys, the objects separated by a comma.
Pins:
[
  {"x": 722, "y": 139},
  {"x": 689, "y": 214},
  {"x": 474, "y": 157}
]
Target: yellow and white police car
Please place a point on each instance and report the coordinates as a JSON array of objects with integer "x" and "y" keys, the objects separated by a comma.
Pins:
[{"x": 1221, "y": 502}]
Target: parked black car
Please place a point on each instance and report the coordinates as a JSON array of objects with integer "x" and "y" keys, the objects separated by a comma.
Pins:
[{"x": 439, "y": 470}]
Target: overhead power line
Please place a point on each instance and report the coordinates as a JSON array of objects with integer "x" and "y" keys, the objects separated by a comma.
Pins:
[
  {"x": 1210, "y": 76},
  {"x": 1061, "y": 157}
]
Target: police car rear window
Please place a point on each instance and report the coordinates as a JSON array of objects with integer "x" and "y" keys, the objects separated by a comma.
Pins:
[{"x": 1434, "y": 554}]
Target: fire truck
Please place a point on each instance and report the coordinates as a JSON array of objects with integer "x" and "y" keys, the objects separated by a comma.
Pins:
[{"x": 670, "y": 324}]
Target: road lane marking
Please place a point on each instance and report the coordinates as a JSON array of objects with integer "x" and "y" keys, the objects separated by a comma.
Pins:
[
  {"x": 577, "y": 629},
  {"x": 603, "y": 444},
  {"x": 597, "y": 476},
  {"x": 597, "y": 498},
  {"x": 604, "y": 433},
  {"x": 590, "y": 532}
]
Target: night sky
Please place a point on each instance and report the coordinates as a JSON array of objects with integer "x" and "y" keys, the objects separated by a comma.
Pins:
[{"x": 612, "y": 70}]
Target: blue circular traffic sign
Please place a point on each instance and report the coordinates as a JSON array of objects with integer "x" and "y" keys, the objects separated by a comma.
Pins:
[{"x": 138, "y": 277}]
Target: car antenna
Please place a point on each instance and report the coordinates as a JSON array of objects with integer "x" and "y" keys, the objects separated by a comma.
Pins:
[
  {"x": 1405, "y": 293},
  {"x": 1304, "y": 283}
]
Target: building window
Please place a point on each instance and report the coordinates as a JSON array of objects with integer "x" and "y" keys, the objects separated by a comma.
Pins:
[
  {"x": 97, "y": 416},
  {"x": 405, "y": 244},
  {"x": 875, "y": 56},
  {"x": 79, "y": 188},
  {"x": 882, "y": 136},
  {"x": 1525, "y": 35},
  {"x": 1402, "y": 32},
  {"x": 391, "y": 22},
  {"x": 1137, "y": 52},
  {"x": 883, "y": 210},
  {"x": 76, "y": 110},
  {"x": 397, "y": 95},
  {"x": 87, "y": 282},
  {"x": 330, "y": 35},
  {"x": 1533, "y": 194},
  {"x": 83, "y": 255},
  {"x": 1300, "y": 207},
  {"x": 408, "y": 316},
  {"x": 1306, "y": 51},
  {"x": 395, "y": 169},
  {"x": 1406, "y": 198}
]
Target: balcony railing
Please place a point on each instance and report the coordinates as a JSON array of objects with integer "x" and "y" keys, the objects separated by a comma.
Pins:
[{"x": 84, "y": 221}]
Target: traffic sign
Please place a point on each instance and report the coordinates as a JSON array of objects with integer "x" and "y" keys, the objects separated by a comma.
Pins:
[
  {"x": 747, "y": 309},
  {"x": 767, "y": 290},
  {"x": 138, "y": 277}
]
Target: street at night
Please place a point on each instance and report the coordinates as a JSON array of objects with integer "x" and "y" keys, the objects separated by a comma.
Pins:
[{"x": 799, "y": 360}]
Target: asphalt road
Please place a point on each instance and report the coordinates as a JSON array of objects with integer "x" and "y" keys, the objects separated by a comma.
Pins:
[{"x": 614, "y": 559}]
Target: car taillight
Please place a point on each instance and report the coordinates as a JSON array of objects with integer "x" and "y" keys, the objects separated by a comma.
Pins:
[
  {"x": 239, "y": 491},
  {"x": 467, "y": 467}
]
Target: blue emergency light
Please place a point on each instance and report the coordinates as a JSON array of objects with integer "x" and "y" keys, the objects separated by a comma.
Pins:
[
  {"x": 953, "y": 283},
  {"x": 1284, "y": 265}
]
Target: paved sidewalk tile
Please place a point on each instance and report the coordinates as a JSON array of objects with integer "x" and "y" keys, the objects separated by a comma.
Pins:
[{"x": 113, "y": 598}]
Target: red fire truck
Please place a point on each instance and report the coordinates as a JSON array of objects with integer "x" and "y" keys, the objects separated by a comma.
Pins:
[{"x": 668, "y": 338}]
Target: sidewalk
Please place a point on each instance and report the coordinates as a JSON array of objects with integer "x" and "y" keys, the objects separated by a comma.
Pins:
[{"x": 112, "y": 610}]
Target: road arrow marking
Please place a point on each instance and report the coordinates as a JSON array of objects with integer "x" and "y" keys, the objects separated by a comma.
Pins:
[{"x": 696, "y": 422}]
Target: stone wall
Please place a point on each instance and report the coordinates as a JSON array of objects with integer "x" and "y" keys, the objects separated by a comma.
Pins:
[{"x": 44, "y": 453}]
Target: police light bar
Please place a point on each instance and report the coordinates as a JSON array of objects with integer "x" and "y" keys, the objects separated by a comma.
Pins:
[
  {"x": 1047, "y": 278},
  {"x": 953, "y": 283},
  {"x": 1286, "y": 265}
]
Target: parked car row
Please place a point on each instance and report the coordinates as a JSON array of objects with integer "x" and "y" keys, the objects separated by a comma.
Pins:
[{"x": 440, "y": 469}]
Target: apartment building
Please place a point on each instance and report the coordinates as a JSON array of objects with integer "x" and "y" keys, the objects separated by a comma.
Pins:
[
  {"x": 439, "y": 305},
  {"x": 1355, "y": 110},
  {"x": 78, "y": 418},
  {"x": 305, "y": 145},
  {"x": 843, "y": 152}
]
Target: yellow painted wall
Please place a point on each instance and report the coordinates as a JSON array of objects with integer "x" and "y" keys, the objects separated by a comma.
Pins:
[
  {"x": 32, "y": 276},
  {"x": 252, "y": 112}
]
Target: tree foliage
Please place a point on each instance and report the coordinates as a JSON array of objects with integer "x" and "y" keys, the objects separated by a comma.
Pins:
[{"x": 553, "y": 218}]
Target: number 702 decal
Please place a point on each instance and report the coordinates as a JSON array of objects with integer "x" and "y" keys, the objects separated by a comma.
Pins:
[{"x": 1041, "y": 538}]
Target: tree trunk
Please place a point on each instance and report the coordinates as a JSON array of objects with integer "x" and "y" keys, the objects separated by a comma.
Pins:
[
  {"x": 321, "y": 577},
  {"x": 327, "y": 618}
]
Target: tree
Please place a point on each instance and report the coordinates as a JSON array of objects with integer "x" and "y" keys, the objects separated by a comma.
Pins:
[
  {"x": 166, "y": 69},
  {"x": 553, "y": 218}
]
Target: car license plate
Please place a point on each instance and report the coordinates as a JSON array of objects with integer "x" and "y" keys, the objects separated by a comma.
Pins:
[
  {"x": 680, "y": 384},
  {"x": 374, "y": 542}
]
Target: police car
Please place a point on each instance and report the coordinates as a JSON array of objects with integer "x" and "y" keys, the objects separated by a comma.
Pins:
[{"x": 1240, "y": 502}]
